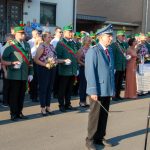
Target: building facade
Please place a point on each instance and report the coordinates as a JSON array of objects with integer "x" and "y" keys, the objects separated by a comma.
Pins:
[
  {"x": 129, "y": 15},
  {"x": 56, "y": 12},
  {"x": 11, "y": 11}
]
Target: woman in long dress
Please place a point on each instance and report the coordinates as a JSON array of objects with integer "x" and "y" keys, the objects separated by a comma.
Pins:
[{"x": 131, "y": 87}]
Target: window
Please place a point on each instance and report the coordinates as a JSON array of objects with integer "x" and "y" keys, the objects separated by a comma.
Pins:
[{"x": 48, "y": 13}]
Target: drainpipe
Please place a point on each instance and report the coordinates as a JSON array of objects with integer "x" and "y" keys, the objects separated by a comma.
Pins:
[
  {"x": 146, "y": 19},
  {"x": 74, "y": 15}
]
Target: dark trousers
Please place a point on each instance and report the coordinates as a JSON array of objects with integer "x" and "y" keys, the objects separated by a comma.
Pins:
[
  {"x": 46, "y": 81},
  {"x": 65, "y": 90},
  {"x": 75, "y": 88},
  {"x": 97, "y": 121},
  {"x": 56, "y": 83},
  {"x": 82, "y": 84},
  {"x": 119, "y": 75},
  {"x": 34, "y": 83},
  {"x": 5, "y": 91},
  {"x": 17, "y": 89}
]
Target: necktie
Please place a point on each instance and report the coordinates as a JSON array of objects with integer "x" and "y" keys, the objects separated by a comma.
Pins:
[{"x": 107, "y": 53}]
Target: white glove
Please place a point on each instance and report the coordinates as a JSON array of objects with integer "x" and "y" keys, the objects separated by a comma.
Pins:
[
  {"x": 114, "y": 71},
  {"x": 30, "y": 78},
  {"x": 77, "y": 73}
]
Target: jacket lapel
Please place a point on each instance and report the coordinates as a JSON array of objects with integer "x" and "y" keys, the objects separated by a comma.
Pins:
[{"x": 19, "y": 45}]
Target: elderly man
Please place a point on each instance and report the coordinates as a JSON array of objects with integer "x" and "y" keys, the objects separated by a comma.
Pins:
[
  {"x": 119, "y": 50},
  {"x": 66, "y": 50},
  {"x": 99, "y": 74},
  {"x": 17, "y": 58}
]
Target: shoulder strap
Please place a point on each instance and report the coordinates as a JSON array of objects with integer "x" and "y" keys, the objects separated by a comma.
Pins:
[
  {"x": 68, "y": 49},
  {"x": 121, "y": 50},
  {"x": 20, "y": 52}
]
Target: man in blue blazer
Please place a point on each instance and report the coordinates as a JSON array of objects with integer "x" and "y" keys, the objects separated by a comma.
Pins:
[{"x": 99, "y": 72}]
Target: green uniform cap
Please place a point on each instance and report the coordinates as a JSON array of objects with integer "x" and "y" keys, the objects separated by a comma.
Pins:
[
  {"x": 148, "y": 34},
  {"x": 67, "y": 28},
  {"x": 92, "y": 35},
  {"x": 19, "y": 29},
  {"x": 129, "y": 36},
  {"x": 120, "y": 32},
  {"x": 137, "y": 35},
  {"x": 77, "y": 35},
  {"x": 83, "y": 35}
]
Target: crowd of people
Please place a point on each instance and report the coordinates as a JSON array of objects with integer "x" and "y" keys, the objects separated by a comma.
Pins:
[
  {"x": 45, "y": 64},
  {"x": 61, "y": 57},
  {"x": 55, "y": 64}
]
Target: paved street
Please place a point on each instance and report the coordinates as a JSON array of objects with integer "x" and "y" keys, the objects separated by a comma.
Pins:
[{"x": 67, "y": 131}]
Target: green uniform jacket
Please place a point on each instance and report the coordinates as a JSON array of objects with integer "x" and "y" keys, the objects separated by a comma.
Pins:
[
  {"x": 119, "y": 58},
  {"x": 63, "y": 53},
  {"x": 76, "y": 45},
  {"x": 25, "y": 69}
]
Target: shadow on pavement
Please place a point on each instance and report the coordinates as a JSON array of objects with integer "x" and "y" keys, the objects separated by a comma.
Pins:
[
  {"x": 29, "y": 103},
  {"x": 145, "y": 97},
  {"x": 117, "y": 139},
  {"x": 37, "y": 116}
]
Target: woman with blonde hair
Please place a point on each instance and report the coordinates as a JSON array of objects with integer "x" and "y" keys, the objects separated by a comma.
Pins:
[{"x": 46, "y": 59}]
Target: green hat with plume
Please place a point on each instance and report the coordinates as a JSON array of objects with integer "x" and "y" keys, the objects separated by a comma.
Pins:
[
  {"x": 67, "y": 28},
  {"x": 19, "y": 29},
  {"x": 77, "y": 35},
  {"x": 136, "y": 35},
  {"x": 120, "y": 32},
  {"x": 92, "y": 35}
]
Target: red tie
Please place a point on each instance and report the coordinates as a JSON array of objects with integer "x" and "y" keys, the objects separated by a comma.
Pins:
[{"x": 107, "y": 53}]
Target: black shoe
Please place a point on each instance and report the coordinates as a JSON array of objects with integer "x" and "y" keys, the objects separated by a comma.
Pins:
[
  {"x": 84, "y": 105},
  {"x": 62, "y": 109},
  {"x": 103, "y": 142},
  {"x": 49, "y": 112},
  {"x": 120, "y": 98},
  {"x": 14, "y": 118},
  {"x": 70, "y": 108},
  {"x": 5, "y": 105},
  {"x": 90, "y": 145},
  {"x": 140, "y": 94},
  {"x": 115, "y": 99},
  {"x": 21, "y": 116}
]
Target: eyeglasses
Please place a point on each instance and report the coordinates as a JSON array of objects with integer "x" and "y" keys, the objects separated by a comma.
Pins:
[{"x": 60, "y": 32}]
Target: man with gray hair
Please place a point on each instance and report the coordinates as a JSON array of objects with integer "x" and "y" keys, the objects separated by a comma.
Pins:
[{"x": 99, "y": 74}]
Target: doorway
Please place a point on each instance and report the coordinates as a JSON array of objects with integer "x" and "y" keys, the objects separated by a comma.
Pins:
[{"x": 11, "y": 12}]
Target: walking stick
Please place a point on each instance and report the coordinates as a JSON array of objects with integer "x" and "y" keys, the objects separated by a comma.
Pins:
[
  {"x": 103, "y": 108},
  {"x": 147, "y": 128}
]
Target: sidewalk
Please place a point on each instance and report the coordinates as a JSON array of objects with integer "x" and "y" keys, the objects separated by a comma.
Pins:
[{"x": 67, "y": 131}]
